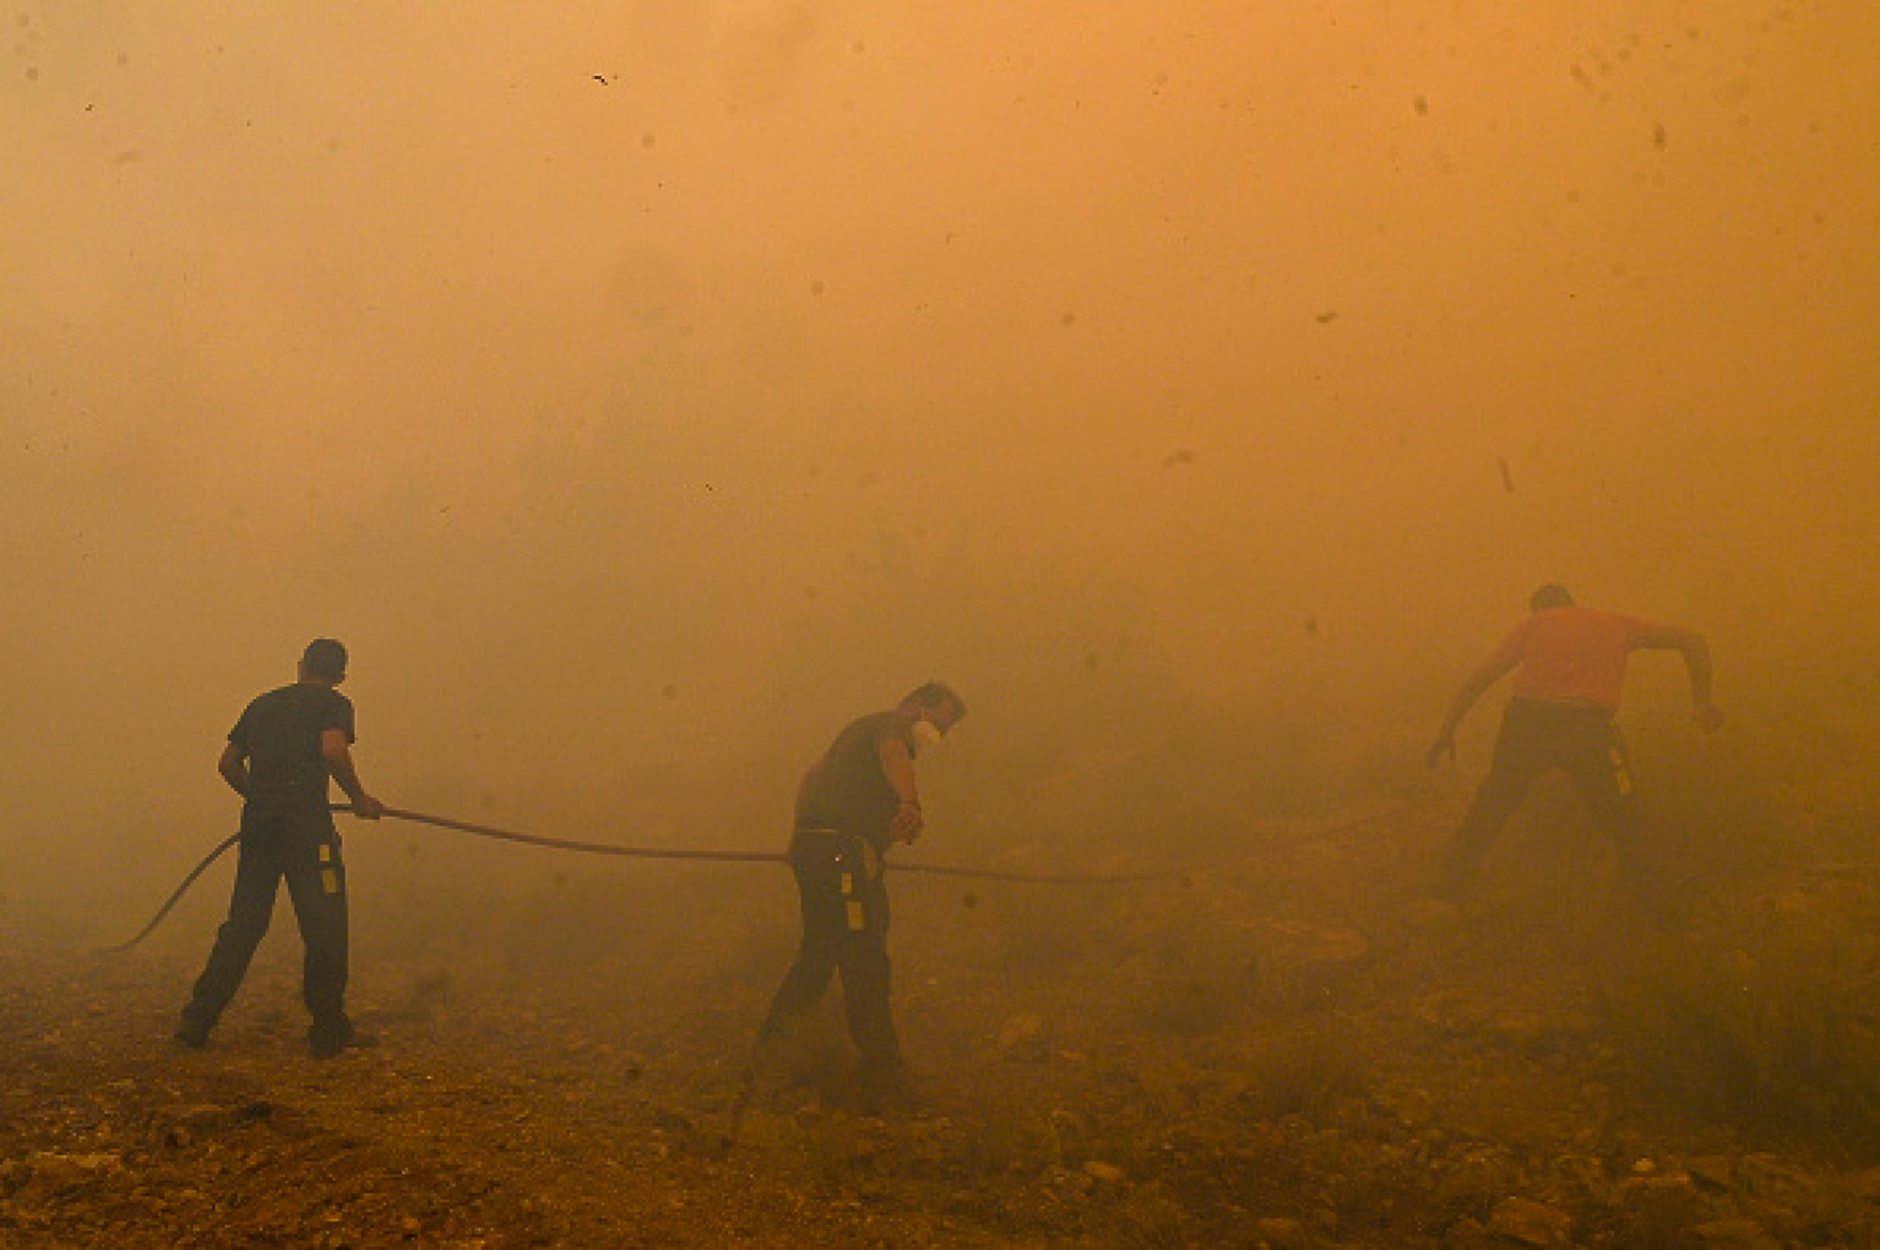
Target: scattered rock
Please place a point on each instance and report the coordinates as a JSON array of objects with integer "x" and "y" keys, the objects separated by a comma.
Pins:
[
  {"x": 1530, "y": 1223},
  {"x": 1654, "y": 1209},
  {"x": 196, "y": 1117},
  {"x": 1733, "y": 1235},
  {"x": 1583, "y": 1177},
  {"x": 1771, "y": 1179},
  {"x": 1468, "y": 1233},
  {"x": 1712, "y": 1172},
  {"x": 52, "y": 1173},
  {"x": 1281, "y": 1233}
]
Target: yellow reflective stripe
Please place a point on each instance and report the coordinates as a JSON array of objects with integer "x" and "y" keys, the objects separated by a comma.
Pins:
[
  {"x": 857, "y": 921},
  {"x": 330, "y": 880}
]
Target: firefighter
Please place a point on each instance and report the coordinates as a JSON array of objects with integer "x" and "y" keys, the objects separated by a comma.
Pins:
[
  {"x": 279, "y": 757},
  {"x": 1571, "y": 662},
  {"x": 856, "y": 801}
]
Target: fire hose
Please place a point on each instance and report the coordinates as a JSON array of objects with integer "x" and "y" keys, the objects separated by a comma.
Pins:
[{"x": 651, "y": 852}]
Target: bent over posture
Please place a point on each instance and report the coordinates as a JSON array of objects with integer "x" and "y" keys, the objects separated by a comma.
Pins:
[
  {"x": 1572, "y": 669},
  {"x": 279, "y": 756},
  {"x": 853, "y": 804}
]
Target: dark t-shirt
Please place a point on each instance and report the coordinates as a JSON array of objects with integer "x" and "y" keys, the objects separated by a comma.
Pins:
[
  {"x": 849, "y": 792},
  {"x": 281, "y": 733}
]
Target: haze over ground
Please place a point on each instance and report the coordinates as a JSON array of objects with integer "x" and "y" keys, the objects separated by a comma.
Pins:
[{"x": 640, "y": 390}]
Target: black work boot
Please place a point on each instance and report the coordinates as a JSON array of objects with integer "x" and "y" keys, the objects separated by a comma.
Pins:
[
  {"x": 328, "y": 1039},
  {"x": 887, "y": 1089},
  {"x": 191, "y": 1033}
]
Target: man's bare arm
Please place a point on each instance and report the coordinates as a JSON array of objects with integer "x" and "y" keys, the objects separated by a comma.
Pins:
[
  {"x": 1695, "y": 649},
  {"x": 897, "y": 765},
  {"x": 1485, "y": 675},
  {"x": 339, "y": 763}
]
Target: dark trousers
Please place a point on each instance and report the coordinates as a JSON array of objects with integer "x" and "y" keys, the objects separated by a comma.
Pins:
[
  {"x": 1581, "y": 741},
  {"x": 839, "y": 880},
  {"x": 303, "y": 850}
]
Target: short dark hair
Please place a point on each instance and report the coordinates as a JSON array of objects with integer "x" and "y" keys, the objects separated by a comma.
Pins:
[
  {"x": 324, "y": 659},
  {"x": 935, "y": 694},
  {"x": 1552, "y": 595}
]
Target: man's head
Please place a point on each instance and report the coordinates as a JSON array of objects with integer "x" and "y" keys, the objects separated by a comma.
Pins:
[
  {"x": 936, "y": 704},
  {"x": 324, "y": 660},
  {"x": 1552, "y": 595}
]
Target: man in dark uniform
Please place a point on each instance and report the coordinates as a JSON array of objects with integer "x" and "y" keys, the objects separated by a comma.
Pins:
[
  {"x": 280, "y": 754},
  {"x": 1571, "y": 662},
  {"x": 852, "y": 805}
]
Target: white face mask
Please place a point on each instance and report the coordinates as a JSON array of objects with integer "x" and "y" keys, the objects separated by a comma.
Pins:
[{"x": 925, "y": 735}]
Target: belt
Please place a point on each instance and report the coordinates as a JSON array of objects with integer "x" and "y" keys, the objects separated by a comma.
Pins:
[
  {"x": 1542, "y": 703},
  {"x": 871, "y": 854}
]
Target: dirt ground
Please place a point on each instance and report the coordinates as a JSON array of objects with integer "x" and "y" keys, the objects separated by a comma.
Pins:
[{"x": 1295, "y": 1048}]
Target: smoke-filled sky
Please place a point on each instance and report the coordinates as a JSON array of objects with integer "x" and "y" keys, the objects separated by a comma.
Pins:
[{"x": 641, "y": 388}]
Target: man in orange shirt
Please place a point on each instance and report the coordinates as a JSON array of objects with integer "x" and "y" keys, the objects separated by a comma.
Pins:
[{"x": 1572, "y": 669}]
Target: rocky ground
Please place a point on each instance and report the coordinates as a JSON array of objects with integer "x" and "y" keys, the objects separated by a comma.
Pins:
[{"x": 1296, "y": 1048}]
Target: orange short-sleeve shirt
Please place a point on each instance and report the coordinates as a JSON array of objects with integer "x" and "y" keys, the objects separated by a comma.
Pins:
[{"x": 1573, "y": 654}]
